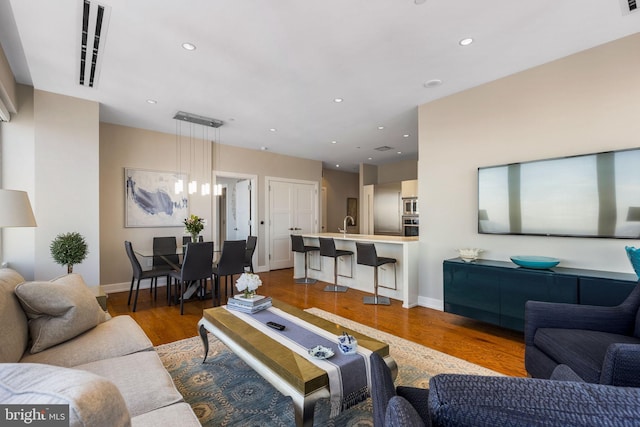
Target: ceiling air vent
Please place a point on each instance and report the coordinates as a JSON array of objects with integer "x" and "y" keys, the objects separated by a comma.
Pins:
[
  {"x": 383, "y": 148},
  {"x": 95, "y": 19},
  {"x": 628, "y": 6}
]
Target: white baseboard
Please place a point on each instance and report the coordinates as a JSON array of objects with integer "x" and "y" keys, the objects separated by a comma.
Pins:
[
  {"x": 433, "y": 303},
  {"x": 124, "y": 286}
]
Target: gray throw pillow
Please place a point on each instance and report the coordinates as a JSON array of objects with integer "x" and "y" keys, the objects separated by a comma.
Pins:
[{"x": 58, "y": 310}]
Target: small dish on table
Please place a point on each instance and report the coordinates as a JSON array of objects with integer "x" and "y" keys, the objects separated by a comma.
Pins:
[{"x": 321, "y": 352}]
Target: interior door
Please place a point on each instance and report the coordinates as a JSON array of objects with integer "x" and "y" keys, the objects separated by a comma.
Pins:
[
  {"x": 293, "y": 209},
  {"x": 243, "y": 209}
]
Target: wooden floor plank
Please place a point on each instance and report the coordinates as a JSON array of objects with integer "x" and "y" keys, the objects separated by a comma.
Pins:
[{"x": 490, "y": 346}]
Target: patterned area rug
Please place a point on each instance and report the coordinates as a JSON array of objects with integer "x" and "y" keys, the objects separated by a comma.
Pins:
[{"x": 226, "y": 392}]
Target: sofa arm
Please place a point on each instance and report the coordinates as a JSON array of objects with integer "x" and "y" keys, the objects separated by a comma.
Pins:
[
  {"x": 616, "y": 320},
  {"x": 478, "y": 401},
  {"x": 418, "y": 398},
  {"x": 565, "y": 373},
  {"x": 621, "y": 366},
  {"x": 93, "y": 400}
]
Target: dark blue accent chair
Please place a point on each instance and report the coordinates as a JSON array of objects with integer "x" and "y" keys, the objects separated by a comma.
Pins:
[{"x": 600, "y": 344}]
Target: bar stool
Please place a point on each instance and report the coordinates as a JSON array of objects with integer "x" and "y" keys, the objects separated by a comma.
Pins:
[
  {"x": 367, "y": 256},
  {"x": 297, "y": 245},
  {"x": 328, "y": 249}
]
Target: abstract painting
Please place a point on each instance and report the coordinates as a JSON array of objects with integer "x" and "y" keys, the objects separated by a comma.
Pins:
[{"x": 150, "y": 199}]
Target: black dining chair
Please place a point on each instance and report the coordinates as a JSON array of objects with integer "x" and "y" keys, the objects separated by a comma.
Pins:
[
  {"x": 232, "y": 260},
  {"x": 140, "y": 274},
  {"x": 248, "y": 254},
  {"x": 196, "y": 266},
  {"x": 165, "y": 257}
]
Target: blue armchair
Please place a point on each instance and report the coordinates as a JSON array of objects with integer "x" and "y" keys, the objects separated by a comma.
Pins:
[
  {"x": 475, "y": 400},
  {"x": 600, "y": 344}
]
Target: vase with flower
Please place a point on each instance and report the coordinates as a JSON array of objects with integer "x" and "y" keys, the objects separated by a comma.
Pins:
[
  {"x": 247, "y": 283},
  {"x": 194, "y": 225}
]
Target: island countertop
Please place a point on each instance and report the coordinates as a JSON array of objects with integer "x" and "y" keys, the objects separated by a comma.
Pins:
[
  {"x": 373, "y": 238},
  {"x": 398, "y": 281}
]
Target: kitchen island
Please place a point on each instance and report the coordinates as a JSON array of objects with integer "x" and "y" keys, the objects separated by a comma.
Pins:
[{"x": 403, "y": 287}]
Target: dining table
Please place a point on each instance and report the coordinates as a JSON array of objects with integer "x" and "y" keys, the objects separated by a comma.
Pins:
[{"x": 147, "y": 254}]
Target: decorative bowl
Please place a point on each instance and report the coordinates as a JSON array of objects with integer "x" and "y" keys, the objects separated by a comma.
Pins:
[
  {"x": 537, "y": 262},
  {"x": 634, "y": 258},
  {"x": 321, "y": 352},
  {"x": 469, "y": 254},
  {"x": 347, "y": 344}
]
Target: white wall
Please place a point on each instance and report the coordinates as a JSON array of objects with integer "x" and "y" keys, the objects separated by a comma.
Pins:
[
  {"x": 50, "y": 149},
  {"x": 18, "y": 173},
  {"x": 585, "y": 103}
]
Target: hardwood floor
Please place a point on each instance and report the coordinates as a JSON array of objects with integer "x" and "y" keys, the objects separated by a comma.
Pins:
[{"x": 495, "y": 348}]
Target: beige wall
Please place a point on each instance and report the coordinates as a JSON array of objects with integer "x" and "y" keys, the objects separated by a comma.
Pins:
[
  {"x": 398, "y": 171},
  {"x": 340, "y": 185},
  {"x": 122, "y": 147},
  {"x": 585, "y": 103}
]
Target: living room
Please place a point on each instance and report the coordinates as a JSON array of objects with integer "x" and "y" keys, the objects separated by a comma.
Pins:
[{"x": 71, "y": 163}]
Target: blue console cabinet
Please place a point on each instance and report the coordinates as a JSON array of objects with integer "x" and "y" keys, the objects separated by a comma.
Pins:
[{"x": 496, "y": 291}]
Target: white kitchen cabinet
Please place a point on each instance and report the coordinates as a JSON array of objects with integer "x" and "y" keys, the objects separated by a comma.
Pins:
[{"x": 410, "y": 188}]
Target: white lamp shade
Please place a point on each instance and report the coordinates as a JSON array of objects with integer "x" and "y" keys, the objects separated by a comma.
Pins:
[{"x": 15, "y": 209}]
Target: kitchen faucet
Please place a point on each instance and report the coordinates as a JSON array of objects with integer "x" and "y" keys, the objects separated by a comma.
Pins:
[{"x": 344, "y": 224}]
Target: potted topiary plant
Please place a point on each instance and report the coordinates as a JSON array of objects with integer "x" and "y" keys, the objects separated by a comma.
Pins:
[{"x": 69, "y": 249}]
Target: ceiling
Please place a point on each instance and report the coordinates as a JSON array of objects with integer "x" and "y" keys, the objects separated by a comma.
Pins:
[{"x": 280, "y": 64}]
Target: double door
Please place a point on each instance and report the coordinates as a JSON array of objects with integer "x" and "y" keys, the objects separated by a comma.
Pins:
[{"x": 293, "y": 209}]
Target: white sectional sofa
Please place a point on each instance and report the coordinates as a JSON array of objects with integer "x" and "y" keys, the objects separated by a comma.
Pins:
[{"x": 57, "y": 346}]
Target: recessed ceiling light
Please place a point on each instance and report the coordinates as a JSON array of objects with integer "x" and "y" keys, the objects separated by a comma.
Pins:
[
  {"x": 337, "y": 166},
  {"x": 380, "y": 127},
  {"x": 189, "y": 46},
  {"x": 151, "y": 101},
  {"x": 370, "y": 158},
  {"x": 334, "y": 142},
  {"x": 338, "y": 100},
  {"x": 466, "y": 42},
  {"x": 406, "y": 135},
  {"x": 273, "y": 129},
  {"x": 399, "y": 152},
  {"x": 433, "y": 83}
]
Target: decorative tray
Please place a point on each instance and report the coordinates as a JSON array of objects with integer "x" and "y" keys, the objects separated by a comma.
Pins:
[
  {"x": 320, "y": 352},
  {"x": 537, "y": 262}
]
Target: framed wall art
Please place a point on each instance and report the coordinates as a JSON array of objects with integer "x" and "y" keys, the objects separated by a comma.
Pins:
[
  {"x": 150, "y": 199},
  {"x": 352, "y": 209}
]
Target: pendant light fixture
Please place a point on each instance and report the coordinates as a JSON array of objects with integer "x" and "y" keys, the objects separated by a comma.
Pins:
[
  {"x": 179, "y": 184},
  {"x": 193, "y": 184},
  {"x": 217, "y": 189},
  {"x": 205, "y": 189},
  {"x": 193, "y": 120}
]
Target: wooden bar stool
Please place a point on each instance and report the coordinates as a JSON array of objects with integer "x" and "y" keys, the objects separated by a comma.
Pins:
[
  {"x": 367, "y": 256},
  {"x": 297, "y": 245},
  {"x": 328, "y": 249}
]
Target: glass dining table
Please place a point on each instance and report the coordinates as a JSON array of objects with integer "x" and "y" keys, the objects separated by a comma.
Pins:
[{"x": 147, "y": 255}]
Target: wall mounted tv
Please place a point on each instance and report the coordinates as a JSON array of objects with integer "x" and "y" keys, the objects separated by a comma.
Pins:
[{"x": 594, "y": 195}]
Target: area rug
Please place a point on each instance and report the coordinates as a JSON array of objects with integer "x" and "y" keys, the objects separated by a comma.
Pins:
[{"x": 225, "y": 391}]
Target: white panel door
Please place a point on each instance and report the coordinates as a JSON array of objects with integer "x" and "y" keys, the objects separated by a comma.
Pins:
[
  {"x": 293, "y": 208},
  {"x": 243, "y": 214}
]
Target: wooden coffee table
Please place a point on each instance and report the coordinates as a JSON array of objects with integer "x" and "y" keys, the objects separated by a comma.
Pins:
[{"x": 287, "y": 371}]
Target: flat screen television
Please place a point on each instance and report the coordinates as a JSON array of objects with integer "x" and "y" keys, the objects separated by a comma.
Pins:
[{"x": 593, "y": 195}]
